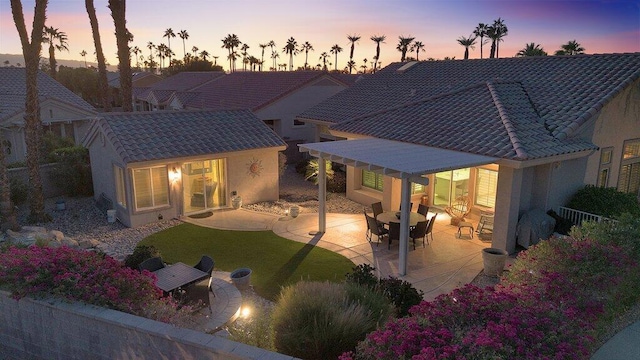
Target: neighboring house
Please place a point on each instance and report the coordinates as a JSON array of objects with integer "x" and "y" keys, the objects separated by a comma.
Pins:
[
  {"x": 61, "y": 111},
  {"x": 158, "y": 95},
  {"x": 165, "y": 164},
  {"x": 512, "y": 134},
  {"x": 139, "y": 80}
]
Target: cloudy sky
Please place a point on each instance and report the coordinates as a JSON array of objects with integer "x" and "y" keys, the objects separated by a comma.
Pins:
[{"x": 600, "y": 26}]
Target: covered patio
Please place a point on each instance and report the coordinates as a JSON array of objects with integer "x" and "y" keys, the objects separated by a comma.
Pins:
[{"x": 404, "y": 161}]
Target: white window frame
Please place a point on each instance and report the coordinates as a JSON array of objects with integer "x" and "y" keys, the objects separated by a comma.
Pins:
[
  {"x": 121, "y": 194},
  {"x": 154, "y": 205},
  {"x": 477, "y": 183}
]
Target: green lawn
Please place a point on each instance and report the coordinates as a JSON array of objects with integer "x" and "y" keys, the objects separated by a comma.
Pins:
[{"x": 275, "y": 261}]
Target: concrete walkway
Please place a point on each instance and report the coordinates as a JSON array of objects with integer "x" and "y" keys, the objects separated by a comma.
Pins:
[
  {"x": 444, "y": 264},
  {"x": 625, "y": 345}
]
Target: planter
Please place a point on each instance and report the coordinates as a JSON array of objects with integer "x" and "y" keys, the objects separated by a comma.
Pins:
[
  {"x": 494, "y": 260},
  {"x": 61, "y": 205},
  {"x": 241, "y": 278},
  {"x": 236, "y": 202},
  {"x": 294, "y": 211},
  {"x": 111, "y": 216}
]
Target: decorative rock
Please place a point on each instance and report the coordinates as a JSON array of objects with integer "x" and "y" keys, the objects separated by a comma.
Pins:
[
  {"x": 54, "y": 244},
  {"x": 58, "y": 235},
  {"x": 39, "y": 229},
  {"x": 69, "y": 242}
]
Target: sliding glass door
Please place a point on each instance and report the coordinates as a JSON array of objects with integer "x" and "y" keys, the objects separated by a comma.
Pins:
[
  {"x": 450, "y": 185},
  {"x": 203, "y": 185}
]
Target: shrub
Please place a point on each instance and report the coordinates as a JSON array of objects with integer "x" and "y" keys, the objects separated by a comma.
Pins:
[
  {"x": 607, "y": 202},
  {"x": 73, "y": 171},
  {"x": 256, "y": 330},
  {"x": 140, "y": 254},
  {"x": 338, "y": 182},
  {"x": 89, "y": 277},
  {"x": 52, "y": 142},
  {"x": 19, "y": 191},
  {"x": 282, "y": 163},
  {"x": 321, "y": 320},
  {"x": 363, "y": 274},
  {"x": 313, "y": 170},
  {"x": 624, "y": 233},
  {"x": 301, "y": 166}
]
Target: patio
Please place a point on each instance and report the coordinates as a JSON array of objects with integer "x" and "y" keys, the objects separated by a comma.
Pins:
[{"x": 444, "y": 264}]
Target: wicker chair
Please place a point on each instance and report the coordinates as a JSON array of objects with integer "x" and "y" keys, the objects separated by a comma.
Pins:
[{"x": 459, "y": 209}]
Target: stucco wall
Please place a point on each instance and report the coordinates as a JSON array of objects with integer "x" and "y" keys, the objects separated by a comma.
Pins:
[
  {"x": 52, "y": 329},
  {"x": 295, "y": 103},
  {"x": 49, "y": 190}
]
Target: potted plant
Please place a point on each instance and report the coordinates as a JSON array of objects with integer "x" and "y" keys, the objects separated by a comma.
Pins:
[
  {"x": 294, "y": 211},
  {"x": 494, "y": 260},
  {"x": 236, "y": 201},
  {"x": 241, "y": 278}
]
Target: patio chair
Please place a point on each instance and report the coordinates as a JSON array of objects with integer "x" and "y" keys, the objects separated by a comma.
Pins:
[
  {"x": 206, "y": 264},
  {"x": 377, "y": 209},
  {"x": 410, "y": 207},
  {"x": 430, "y": 228},
  {"x": 198, "y": 294},
  {"x": 394, "y": 232},
  {"x": 423, "y": 210},
  {"x": 152, "y": 264},
  {"x": 375, "y": 228},
  {"x": 420, "y": 231},
  {"x": 459, "y": 209}
]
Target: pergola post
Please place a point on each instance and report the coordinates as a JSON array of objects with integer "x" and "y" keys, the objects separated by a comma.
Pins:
[
  {"x": 404, "y": 225},
  {"x": 322, "y": 195}
]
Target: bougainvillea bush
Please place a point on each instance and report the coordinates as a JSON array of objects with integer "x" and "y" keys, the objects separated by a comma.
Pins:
[
  {"x": 547, "y": 306},
  {"x": 90, "y": 277}
]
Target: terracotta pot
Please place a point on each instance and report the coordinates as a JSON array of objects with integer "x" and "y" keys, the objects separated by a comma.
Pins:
[
  {"x": 294, "y": 211},
  {"x": 241, "y": 278},
  {"x": 494, "y": 260}
]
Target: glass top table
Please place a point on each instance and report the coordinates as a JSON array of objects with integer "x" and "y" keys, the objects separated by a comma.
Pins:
[{"x": 177, "y": 275}]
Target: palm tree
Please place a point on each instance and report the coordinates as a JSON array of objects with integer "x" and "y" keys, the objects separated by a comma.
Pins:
[
  {"x": 364, "y": 66},
  {"x": 335, "y": 49},
  {"x": 272, "y": 44},
  {"x": 292, "y": 49},
  {"x": 570, "y": 48},
  {"x": 403, "y": 46},
  {"x": 184, "y": 35},
  {"x": 245, "y": 56},
  {"x": 306, "y": 47},
  {"x": 496, "y": 32},
  {"x": 353, "y": 39},
  {"x": 230, "y": 43},
  {"x": 103, "y": 85},
  {"x": 84, "y": 56},
  {"x": 215, "y": 58},
  {"x": 57, "y": 40},
  {"x": 467, "y": 43},
  {"x": 481, "y": 32},
  {"x": 136, "y": 50},
  {"x": 262, "y": 46},
  {"x": 123, "y": 37},
  {"x": 169, "y": 34},
  {"x": 204, "y": 55},
  {"x": 275, "y": 56},
  {"x": 417, "y": 47},
  {"x": 532, "y": 49},
  {"x": 324, "y": 57},
  {"x": 194, "y": 49},
  {"x": 377, "y": 39},
  {"x": 33, "y": 126}
]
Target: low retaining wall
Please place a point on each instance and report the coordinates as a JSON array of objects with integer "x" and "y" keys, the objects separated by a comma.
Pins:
[
  {"x": 53, "y": 329},
  {"x": 49, "y": 189}
]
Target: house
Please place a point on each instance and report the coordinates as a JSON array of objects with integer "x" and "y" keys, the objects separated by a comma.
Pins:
[
  {"x": 510, "y": 134},
  {"x": 165, "y": 164},
  {"x": 61, "y": 111},
  {"x": 158, "y": 95}
]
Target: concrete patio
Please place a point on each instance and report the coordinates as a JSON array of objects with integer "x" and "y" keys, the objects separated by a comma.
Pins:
[{"x": 444, "y": 264}]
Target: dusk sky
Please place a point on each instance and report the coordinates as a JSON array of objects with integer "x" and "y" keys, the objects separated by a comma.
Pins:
[{"x": 606, "y": 26}]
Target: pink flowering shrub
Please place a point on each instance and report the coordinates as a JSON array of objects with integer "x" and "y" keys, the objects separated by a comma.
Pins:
[
  {"x": 85, "y": 276},
  {"x": 546, "y": 307}
]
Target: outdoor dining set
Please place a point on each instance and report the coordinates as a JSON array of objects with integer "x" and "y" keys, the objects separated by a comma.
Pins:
[
  {"x": 194, "y": 282},
  {"x": 386, "y": 224}
]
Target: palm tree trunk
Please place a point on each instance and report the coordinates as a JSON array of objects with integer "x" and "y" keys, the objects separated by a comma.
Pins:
[
  {"x": 103, "y": 85},
  {"x": 33, "y": 126},
  {"x": 52, "y": 61},
  {"x": 493, "y": 49},
  {"x": 6, "y": 208},
  {"x": 481, "y": 42},
  {"x": 118, "y": 13}
]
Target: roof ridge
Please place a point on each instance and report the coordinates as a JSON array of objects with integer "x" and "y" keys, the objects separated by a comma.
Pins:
[
  {"x": 506, "y": 121},
  {"x": 288, "y": 91}
]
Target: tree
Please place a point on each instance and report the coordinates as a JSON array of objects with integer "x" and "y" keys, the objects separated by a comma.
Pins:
[
  {"x": 272, "y": 44},
  {"x": 33, "y": 125},
  {"x": 84, "y": 56},
  {"x": 377, "y": 39},
  {"x": 184, "y": 35},
  {"x": 123, "y": 36},
  {"x": 275, "y": 56},
  {"x": 353, "y": 39},
  {"x": 169, "y": 34},
  {"x": 417, "y": 47},
  {"x": 481, "y": 32},
  {"x": 230, "y": 42},
  {"x": 467, "y": 43},
  {"x": 204, "y": 55},
  {"x": 335, "y": 49},
  {"x": 262, "y": 46},
  {"x": 570, "y": 48},
  {"x": 496, "y": 32},
  {"x": 292, "y": 49},
  {"x": 364, "y": 66},
  {"x": 403, "y": 46},
  {"x": 102, "y": 64},
  {"x": 532, "y": 49},
  {"x": 245, "y": 56},
  {"x": 324, "y": 57},
  {"x": 306, "y": 47},
  {"x": 57, "y": 40},
  {"x": 195, "y": 49},
  {"x": 136, "y": 50}
]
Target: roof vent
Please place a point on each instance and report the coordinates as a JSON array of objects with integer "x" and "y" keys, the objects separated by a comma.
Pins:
[{"x": 406, "y": 67}]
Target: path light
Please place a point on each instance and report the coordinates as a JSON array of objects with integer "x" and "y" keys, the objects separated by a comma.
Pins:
[{"x": 245, "y": 312}]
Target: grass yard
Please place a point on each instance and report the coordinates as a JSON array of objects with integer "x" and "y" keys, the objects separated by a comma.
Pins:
[{"x": 275, "y": 261}]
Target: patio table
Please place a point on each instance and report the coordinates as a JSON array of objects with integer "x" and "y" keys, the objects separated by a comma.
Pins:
[
  {"x": 177, "y": 275},
  {"x": 389, "y": 216}
]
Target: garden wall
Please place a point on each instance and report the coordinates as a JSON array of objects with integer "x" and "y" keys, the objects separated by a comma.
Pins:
[
  {"x": 49, "y": 189},
  {"x": 52, "y": 329}
]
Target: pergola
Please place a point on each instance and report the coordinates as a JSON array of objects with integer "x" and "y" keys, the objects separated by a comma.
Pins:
[{"x": 405, "y": 161}]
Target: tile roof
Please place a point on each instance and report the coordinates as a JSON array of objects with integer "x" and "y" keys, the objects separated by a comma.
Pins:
[
  {"x": 251, "y": 90},
  {"x": 158, "y": 135},
  {"x": 13, "y": 92},
  {"x": 559, "y": 92},
  {"x": 182, "y": 82}
]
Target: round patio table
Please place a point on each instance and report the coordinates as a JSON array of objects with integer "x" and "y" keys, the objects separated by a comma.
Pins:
[{"x": 390, "y": 216}]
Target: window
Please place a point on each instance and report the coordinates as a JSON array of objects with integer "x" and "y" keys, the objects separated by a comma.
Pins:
[
  {"x": 372, "y": 180},
  {"x": 417, "y": 188},
  {"x": 120, "y": 193},
  {"x": 629, "y": 179},
  {"x": 605, "y": 166},
  {"x": 151, "y": 187},
  {"x": 486, "y": 187}
]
